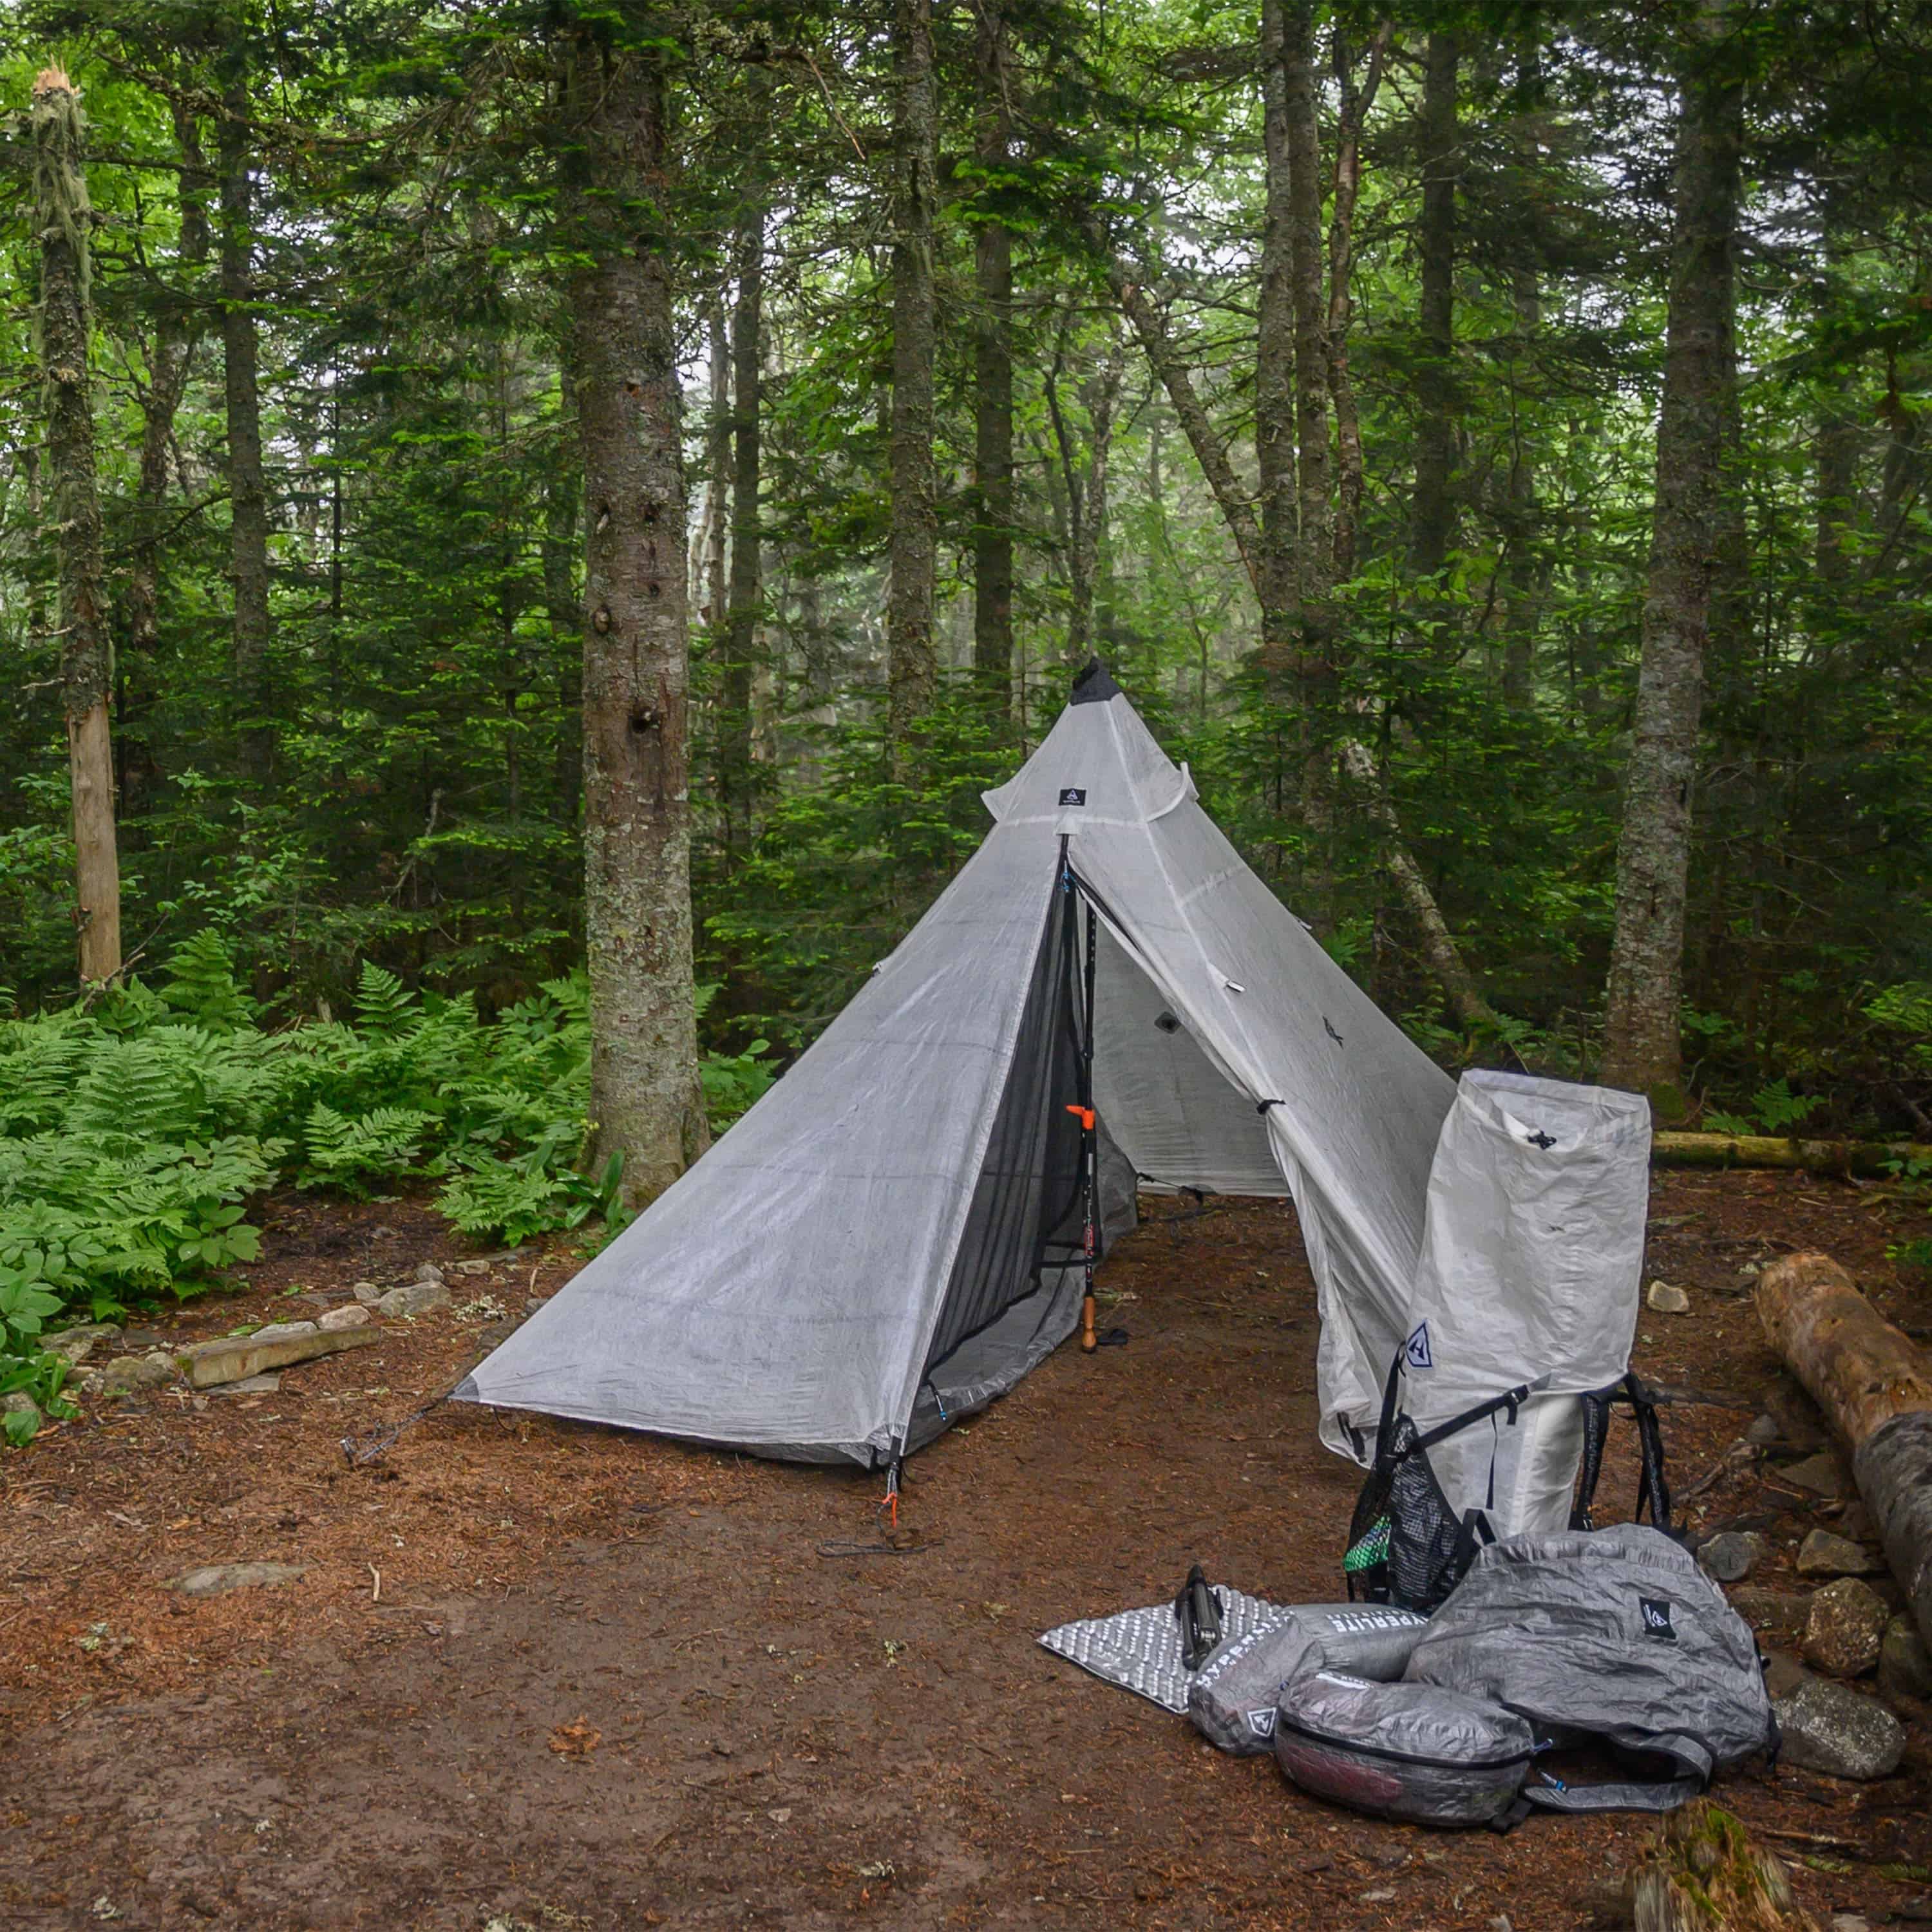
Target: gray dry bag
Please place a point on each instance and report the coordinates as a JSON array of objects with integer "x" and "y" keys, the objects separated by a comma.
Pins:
[
  {"x": 1232, "y": 1700},
  {"x": 1410, "y": 1751}
]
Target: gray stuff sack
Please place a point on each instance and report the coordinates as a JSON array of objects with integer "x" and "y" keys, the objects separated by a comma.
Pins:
[
  {"x": 1232, "y": 1698},
  {"x": 1408, "y": 1751},
  {"x": 1613, "y": 1636}
]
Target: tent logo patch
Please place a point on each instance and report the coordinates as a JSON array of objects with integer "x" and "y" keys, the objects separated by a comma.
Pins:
[
  {"x": 1261, "y": 1722},
  {"x": 1073, "y": 794},
  {"x": 1656, "y": 1617},
  {"x": 1415, "y": 1350}
]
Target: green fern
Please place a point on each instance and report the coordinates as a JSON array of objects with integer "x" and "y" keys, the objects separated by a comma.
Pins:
[
  {"x": 342, "y": 1152},
  {"x": 201, "y": 984},
  {"x": 383, "y": 1005},
  {"x": 134, "y": 1133}
]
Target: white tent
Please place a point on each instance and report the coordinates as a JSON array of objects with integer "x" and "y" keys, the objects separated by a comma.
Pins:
[{"x": 890, "y": 1238}]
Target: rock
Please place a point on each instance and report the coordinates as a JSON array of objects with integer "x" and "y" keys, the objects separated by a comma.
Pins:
[
  {"x": 1665, "y": 1300},
  {"x": 473, "y": 1268},
  {"x": 1856, "y": 1523},
  {"x": 427, "y": 1271},
  {"x": 1850, "y": 1922},
  {"x": 76, "y": 1344},
  {"x": 247, "y": 1385},
  {"x": 1845, "y": 1628},
  {"x": 126, "y": 1373},
  {"x": 367, "y": 1293},
  {"x": 1783, "y": 1673},
  {"x": 217, "y": 1580},
  {"x": 235, "y": 1357},
  {"x": 21, "y": 1403},
  {"x": 1766, "y": 1433},
  {"x": 413, "y": 1298},
  {"x": 280, "y": 1331},
  {"x": 1819, "y": 1474},
  {"x": 1731, "y": 1555},
  {"x": 1904, "y": 1664},
  {"x": 1821, "y": 1554},
  {"x": 337, "y": 1319},
  {"x": 1829, "y": 1728},
  {"x": 1766, "y": 1609}
]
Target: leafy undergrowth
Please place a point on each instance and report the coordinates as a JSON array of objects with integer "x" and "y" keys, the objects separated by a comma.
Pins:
[{"x": 134, "y": 1132}]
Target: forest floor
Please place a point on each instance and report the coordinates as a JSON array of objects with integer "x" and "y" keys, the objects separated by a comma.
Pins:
[{"x": 566, "y": 1677}]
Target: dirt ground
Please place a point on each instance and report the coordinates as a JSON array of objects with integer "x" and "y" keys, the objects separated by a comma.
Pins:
[{"x": 566, "y": 1677}]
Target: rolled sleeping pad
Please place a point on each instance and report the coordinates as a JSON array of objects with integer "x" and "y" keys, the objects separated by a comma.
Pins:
[
  {"x": 1232, "y": 1698},
  {"x": 1408, "y": 1751}
]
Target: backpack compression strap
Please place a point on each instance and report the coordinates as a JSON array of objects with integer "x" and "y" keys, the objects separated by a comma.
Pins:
[{"x": 1653, "y": 1493}]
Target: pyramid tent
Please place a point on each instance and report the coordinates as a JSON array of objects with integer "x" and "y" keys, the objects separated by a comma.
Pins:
[{"x": 893, "y": 1236}]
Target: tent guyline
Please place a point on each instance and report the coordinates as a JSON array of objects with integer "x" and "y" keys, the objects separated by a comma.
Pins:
[{"x": 908, "y": 1223}]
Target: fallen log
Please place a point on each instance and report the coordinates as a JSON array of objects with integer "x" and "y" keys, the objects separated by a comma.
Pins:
[
  {"x": 1875, "y": 1386},
  {"x": 1772, "y": 1151}
]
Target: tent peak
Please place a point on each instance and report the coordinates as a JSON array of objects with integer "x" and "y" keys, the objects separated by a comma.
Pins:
[{"x": 1094, "y": 685}]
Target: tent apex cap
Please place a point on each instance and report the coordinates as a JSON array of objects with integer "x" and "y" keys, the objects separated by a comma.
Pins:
[{"x": 1094, "y": 685}]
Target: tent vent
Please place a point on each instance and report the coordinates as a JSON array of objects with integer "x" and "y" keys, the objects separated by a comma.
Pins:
[{"x": 1167, "y": 1023}]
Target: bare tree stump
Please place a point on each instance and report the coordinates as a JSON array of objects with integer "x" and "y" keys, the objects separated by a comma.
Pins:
[{"x": 1875, "y": 1385}]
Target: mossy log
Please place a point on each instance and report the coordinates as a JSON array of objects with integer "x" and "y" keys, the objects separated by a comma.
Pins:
[
  {"x": 1874, "y": 1384},
  {"x": 1816, "y": 1156}
]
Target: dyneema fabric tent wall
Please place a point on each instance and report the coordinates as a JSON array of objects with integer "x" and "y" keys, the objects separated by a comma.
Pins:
[{"x": 891, "y": 1238}]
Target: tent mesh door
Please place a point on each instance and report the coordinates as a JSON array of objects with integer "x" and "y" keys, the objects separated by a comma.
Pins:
[{"x": 1029, "y": 1189}]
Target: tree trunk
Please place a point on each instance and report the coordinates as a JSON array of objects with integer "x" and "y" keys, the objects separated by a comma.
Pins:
[
  {"x": 645, "y": 1098},
  {"x": 745, "y": 599},
  {"x": 1642, "y": 1048},
  {"x": 1313, "y": 553},
  {"x": 177, "y": 333},
  {"x": 1275, "y": 353},
  {"x": 1432, "y": 515},
  {"x": 912, "y": 662},
  {"x": 247, "y": 488},
  {"x": 565, "y": 610},
  {"x": 993, "y": 384},
  {"x": 1439, "y": 943},
  {"x": 713, "y": 529},
  {"x": 1520, "y": 563},
  {"x": 1210, "y": 449},
  {"x": 1875, "y": 1387},
  {"x": 63, "y": 215},
  {"x": 1356, "y": 104}
]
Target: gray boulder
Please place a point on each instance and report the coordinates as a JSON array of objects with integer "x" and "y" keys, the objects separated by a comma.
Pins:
[
  {"x": 1819, "y": 1473},
  {"x": 283, "y": 1331},
  {"x": 414, "y": 1297},
  {"x": 1821, "y": 1554},
  {"x": 1731, "y": 1555},
  {"x": 353, "y": 1316},
  {"x": 127, "y": 1373},
  {"x": 1827, "y": 1727},
  {"x": 77, "y": 1343},
  {"x": 1904, "y": 1664},
  {"x": 217, "y": 1580},
  {"x": 1845, "y": 1628}
]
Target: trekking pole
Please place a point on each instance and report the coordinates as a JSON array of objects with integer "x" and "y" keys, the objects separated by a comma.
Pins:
[{"x": 1090, "y": 1142}]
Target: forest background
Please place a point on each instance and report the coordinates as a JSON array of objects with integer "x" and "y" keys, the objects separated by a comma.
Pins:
[{"x": 538, "y": 454}]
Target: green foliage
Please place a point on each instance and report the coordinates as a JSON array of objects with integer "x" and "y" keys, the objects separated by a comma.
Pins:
[
  {"x": 134, "y": 1134},
  {"x": 1775, "y": 1109}
]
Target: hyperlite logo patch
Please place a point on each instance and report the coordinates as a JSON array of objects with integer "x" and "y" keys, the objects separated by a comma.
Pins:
[
  {"x": 1261, "y": 1722},
  {"x": 1415, "y": 1350},
  {"x": 1657, "y": 1619},
  {"x": 1073, "y": 794}
]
